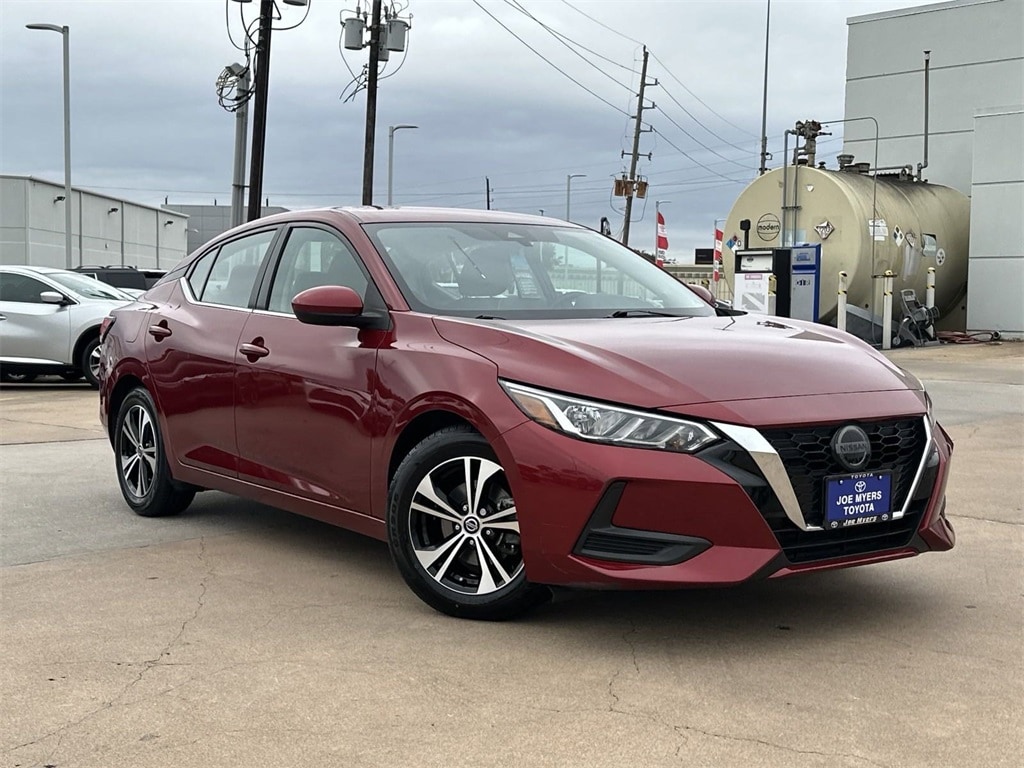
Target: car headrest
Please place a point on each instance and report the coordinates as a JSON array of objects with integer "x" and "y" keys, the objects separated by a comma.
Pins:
[{"x": 487, "y": 272}]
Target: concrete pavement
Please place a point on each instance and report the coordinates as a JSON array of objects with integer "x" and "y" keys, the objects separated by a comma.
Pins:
[{"x": 238, "y": 635}]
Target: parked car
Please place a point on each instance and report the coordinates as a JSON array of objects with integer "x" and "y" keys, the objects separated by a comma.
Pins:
[
  {"x": 50, "y": 322},
  {"x": 512, "y": 404},
  {"x": 131, "y": 280}
]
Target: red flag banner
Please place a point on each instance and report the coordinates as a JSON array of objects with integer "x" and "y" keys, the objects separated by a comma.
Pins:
[{"x": 662, "y": 237}]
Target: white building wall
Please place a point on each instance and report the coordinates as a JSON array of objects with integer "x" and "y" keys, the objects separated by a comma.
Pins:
[
  {"x": 977, "y": 65},
  {"x": 104, "y": 230},
  {"x": 977, "y": 61},
  {"x": 995, "y": 291},
  {"x": 13, "y": 221}
]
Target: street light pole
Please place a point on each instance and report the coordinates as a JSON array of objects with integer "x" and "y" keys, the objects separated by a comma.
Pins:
[
  {"x": 764, "y": 103},
  {"x": 568, "y": 187},
  {"x": 391, "y": 156},
  {"x": 65, "y": 33}
]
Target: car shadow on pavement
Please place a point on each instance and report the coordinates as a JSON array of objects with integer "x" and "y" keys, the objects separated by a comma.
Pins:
[
  {"x": 797, "y": 614},
  {"x": 793, "y": 612}
]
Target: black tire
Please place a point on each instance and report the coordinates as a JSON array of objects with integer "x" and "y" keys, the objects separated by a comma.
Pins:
[
  {"x": 88, "y": 360},
  {"x": 141, "y": 462},
  {"x": 437, "y": 545},
  {"x": 16, "y": 378}
]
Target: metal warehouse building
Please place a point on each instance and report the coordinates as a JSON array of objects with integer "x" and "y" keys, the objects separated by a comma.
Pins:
[
  {"x": 105, "y": 230},
  {"x": 976, "y": 127}
]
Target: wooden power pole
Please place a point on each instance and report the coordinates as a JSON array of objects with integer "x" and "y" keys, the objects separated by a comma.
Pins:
[
  {"x": 634, "y": 156},
  {"x": 259, "y": 119},
  {"x": 371, "y": 104}
]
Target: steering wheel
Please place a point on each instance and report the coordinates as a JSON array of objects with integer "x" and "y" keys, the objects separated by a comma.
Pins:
[{"x": 568, "y": 300}]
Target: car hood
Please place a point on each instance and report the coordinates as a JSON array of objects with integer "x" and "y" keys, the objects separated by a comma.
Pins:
[{"x": 661, "y": 362}]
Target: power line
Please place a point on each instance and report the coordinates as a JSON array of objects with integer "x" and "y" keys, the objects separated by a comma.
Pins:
[
  {"x": 667, "y": 70},
  {"x": 518, "y": 6},
  {"x": 702, "y": 144},
  {"x": 698, "y": 122},
  {"x": 689, "y": 157},
  {"x": 602, "y": 24},
  {"x": 698, "y": 98},
  {"x": 549, "y": 62}
]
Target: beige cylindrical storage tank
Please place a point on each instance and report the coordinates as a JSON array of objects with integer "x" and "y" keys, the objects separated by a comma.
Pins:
[{"x": 917, "y": 226}]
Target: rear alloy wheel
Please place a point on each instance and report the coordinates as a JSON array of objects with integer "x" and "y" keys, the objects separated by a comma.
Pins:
[
  {"x": 89, "y": 362},
  {"x": 453, "y": 529},
  {"x": 142, "y": 471}
]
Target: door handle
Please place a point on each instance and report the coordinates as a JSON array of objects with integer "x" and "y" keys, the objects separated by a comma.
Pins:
[
  {"x": 3, "y": 317},
  {"x": 160, "y": 330},
  {"x": 253, "y": 350}
]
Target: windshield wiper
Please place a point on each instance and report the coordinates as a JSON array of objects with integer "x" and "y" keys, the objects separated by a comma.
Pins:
[
  {"x": 489, "y": 317},
  {"x": 641, "y": 313}
]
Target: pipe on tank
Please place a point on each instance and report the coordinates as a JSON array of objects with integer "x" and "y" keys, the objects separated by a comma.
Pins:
[
  {"x": 785, "y": 183},
  {"x": 924, "y": 164}
]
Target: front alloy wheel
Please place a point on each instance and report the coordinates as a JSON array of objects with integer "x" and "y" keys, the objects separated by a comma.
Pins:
[
  {"x": 142, "y": 470},
  {"x": 454, "y": 529}
]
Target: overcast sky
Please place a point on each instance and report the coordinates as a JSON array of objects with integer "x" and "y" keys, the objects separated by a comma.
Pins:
[{"x": 146, "y": 123}]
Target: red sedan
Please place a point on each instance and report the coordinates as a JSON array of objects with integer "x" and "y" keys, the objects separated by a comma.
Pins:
[{"x": 514, "y": 402}]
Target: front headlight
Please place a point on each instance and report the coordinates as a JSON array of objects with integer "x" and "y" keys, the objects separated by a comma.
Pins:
[{"x": 604, "y": 423}]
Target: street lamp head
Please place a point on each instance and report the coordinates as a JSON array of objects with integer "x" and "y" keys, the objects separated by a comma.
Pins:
[
  {"x": 394, "y": 128},
  {"x": 48, "y": 28}
]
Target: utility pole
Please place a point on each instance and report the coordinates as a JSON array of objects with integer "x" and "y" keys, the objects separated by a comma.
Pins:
[
  {"x": 259, "y": 120},
  {"x": 487, "y": 179},
  {"x": 371, "y": 104},
  {"x": 634, "y": 156}
]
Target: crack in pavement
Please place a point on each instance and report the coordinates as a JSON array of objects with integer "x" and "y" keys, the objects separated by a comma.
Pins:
[
  {"x": 636, "y": 667},
  {"x": 147, "y": 665},
  {"x": 683, "y": 731},
  {"x": 783, "y": 747}
]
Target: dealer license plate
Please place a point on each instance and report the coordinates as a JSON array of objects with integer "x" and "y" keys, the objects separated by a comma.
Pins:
[{"x": 858, "y": 499}]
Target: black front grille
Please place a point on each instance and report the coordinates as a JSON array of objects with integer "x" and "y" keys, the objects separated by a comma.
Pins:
[
  {"x": 809, "y": 546},
  {"x": 806, "y": 452}
]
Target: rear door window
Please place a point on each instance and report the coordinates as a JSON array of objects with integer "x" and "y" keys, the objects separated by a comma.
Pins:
[{"x": 231, "y": 276}]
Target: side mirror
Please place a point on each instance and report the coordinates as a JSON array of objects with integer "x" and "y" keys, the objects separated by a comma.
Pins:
[
  {"x": 703, "y": 292},
  {"x": 329, "y": 305},
  {"x": 52, "y": 297}
]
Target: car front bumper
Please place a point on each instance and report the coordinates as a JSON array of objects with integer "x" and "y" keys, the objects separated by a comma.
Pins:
[{"x": 595, "y": 515}]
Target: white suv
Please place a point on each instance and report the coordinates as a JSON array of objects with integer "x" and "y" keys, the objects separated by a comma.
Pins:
[{"x": 50, "y": 322}]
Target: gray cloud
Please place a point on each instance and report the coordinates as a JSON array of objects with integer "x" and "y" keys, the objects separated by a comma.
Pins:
[{"x": 146, "y": 123}]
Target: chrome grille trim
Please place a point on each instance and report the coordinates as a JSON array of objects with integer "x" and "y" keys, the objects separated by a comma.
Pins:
[
  {"x": 928, "y": 447},
  {"x": 770, "y": 464}
]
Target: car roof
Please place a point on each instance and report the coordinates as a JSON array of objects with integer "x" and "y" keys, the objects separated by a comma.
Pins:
[
  {"x": 375, "y": 214},
  {"x": 31, "y": 268}
]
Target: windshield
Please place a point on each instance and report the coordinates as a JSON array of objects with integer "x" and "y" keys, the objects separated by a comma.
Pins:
[
  {"x": 88, "y": 287},
  {"x": 525, "y": 271}
]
